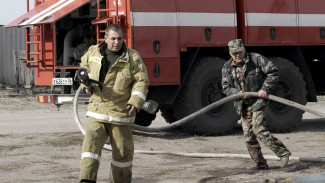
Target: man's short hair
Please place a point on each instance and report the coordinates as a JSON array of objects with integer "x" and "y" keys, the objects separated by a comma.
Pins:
[{"x": 113, "y": 27}]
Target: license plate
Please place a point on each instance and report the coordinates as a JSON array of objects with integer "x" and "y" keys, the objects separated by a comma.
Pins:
[{"x": 62, "y": 81}]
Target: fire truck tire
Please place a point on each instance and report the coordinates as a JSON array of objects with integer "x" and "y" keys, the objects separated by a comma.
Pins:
[
  {"x": 291, "y": 86},
  {"x": 201, "y": 88},
  {"x": 144, "y": 119}
]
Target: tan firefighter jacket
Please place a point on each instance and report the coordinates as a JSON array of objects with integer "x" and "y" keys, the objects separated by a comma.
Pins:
[{"x": 126, "y": 82}]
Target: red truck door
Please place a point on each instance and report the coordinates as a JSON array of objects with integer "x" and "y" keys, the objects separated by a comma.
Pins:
[
  {"x": 311, "y": 21},
  {"x": 271, "y": 21},
  {"x": 155, "y": 36}
]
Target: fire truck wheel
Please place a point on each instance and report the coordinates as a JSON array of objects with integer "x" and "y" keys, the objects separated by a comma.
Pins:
[
  {"x": 144, "y": 119},
  {"x": 201, "y": 88},
  {"x": 290, "y": 86}
]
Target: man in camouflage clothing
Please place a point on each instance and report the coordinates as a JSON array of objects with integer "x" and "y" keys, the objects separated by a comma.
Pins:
[{"x": 252, "y": 72}]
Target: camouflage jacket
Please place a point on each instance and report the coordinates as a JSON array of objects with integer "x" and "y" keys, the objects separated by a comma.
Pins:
[{"x": 257, "y": 72}]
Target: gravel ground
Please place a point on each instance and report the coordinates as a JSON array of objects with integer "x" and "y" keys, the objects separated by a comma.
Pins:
[{"x": 38, "y": 143}]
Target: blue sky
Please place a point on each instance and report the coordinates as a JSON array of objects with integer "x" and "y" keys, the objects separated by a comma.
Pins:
[{"x": 12, "y": 9}]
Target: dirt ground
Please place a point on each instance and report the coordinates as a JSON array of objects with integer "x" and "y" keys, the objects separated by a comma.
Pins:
[{"x": 42, "y": 145}]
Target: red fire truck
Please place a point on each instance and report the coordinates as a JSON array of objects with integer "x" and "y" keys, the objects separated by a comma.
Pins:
[{"x": 184, "y": 46}]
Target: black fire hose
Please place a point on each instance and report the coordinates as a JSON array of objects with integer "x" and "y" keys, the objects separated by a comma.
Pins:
[{"x": 200, "y": 112}]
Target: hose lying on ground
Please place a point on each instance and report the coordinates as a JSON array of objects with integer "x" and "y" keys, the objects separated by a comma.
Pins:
[{"x": 200, "y": 112}]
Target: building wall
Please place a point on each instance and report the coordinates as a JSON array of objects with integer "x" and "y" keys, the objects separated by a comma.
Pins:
[{"x": 12, "y": 49}]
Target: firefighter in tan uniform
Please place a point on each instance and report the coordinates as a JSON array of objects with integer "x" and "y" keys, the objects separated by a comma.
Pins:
[{"x": 112, "y": 106}]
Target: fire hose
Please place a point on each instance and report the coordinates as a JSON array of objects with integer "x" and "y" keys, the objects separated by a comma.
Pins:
[{"x": 200, "y": 112}]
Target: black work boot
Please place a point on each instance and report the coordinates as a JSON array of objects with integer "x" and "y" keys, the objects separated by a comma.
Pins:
[
  {"x": 265, "y": 167},
  {"x": 87, "y": 181}
]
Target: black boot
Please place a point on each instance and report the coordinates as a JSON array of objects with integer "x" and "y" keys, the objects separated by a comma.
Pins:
[{"x": 87, "y": 181}]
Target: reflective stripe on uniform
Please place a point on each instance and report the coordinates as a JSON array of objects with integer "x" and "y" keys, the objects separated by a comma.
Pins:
[
  {"x": 139, "y": 94},
  {"x": 95, "y": 59},
  {"x": 122, "y": 165},
  {"x": 110, "y": 118},
  {"x": 90, "y": 155}
]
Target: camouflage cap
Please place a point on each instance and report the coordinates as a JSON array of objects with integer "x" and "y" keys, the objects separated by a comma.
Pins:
[{"x": 236, "y": 45}]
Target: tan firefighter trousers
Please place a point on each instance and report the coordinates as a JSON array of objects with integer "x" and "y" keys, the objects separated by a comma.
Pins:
[{"x": 122, "y": 151}]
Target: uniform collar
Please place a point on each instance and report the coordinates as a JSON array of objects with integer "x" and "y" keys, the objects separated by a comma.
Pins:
[{"x": 125, "y": 55}]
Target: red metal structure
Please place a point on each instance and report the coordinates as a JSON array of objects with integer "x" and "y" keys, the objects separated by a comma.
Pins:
[{"x": 184, "y": 46}]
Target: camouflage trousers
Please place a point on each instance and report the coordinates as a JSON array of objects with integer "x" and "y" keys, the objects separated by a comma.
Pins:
[{"x": 253, "y": 124}]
